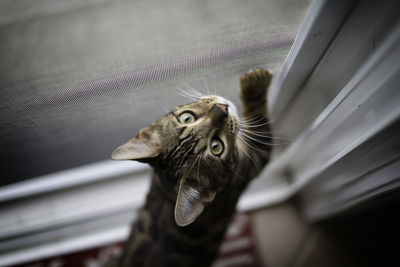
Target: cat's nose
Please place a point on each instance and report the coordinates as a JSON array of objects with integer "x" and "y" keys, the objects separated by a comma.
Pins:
[
  {"x": 218, "y": 113},
  {"x": 223, "y": 108}
]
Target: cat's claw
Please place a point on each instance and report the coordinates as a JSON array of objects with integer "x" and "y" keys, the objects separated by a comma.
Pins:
[{"x": 254, "y": 83}]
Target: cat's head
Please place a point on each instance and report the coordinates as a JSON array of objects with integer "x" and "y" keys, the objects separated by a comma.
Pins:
[{"x": 196, "y": 145}]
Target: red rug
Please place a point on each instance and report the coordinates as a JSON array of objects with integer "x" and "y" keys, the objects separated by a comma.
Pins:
[{"x": 237, "y": 250}]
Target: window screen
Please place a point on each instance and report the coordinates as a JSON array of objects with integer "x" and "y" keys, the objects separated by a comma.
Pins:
[{"x": 78, "y": 78}]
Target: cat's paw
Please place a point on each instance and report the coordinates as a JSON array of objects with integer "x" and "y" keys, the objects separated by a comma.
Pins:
[{"x": 254, "y": 83}]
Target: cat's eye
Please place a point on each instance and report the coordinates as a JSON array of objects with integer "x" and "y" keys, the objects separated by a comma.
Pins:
[
  {"x": 216, "y": 147},
  {"x": 186, "y": 118}
]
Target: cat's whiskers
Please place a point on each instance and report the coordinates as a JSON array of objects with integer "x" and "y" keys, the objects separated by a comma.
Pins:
[
  {"x": 252, "y": 120},
  {"x": 198, "y": 167},
  {"x": 188, "y": 95},
  {"x": 249, "y": 132},
  {"x": 247, "y": 143},
  {"x": 250, "y": 138},
  {"x": 211, "y": 168},
  {"x": 198, "y": 156},
  {"x": 206, "y": 85},
  {"x": 241, "y": 177},
  {"x": 166, "y": 110},
  {"x": 250, "y": 125},
  {"x": 260, "y": 141},
  {"x": 260, "y": 134},
  {"x": 248, "y": 155},
  {"x": 233, "y": 171},
  {"x": 194, "y": 92}
]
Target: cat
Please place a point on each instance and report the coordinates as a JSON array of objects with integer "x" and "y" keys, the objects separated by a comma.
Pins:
[{"x": 203, "y": 157}]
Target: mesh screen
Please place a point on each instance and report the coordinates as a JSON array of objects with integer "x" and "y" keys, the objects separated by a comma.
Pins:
[{"x": 78, "y": 78}]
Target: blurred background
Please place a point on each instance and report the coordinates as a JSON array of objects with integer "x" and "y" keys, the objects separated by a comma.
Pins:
[{"x": 79, "y": 78}]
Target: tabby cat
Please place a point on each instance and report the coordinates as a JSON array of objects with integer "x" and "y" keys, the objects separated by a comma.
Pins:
[{"x": 203, "y": 157}]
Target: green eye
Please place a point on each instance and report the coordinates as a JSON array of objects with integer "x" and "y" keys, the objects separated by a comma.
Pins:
[
  {"x": 186, "y": 118},
  {"x": 216, "y": 147}
]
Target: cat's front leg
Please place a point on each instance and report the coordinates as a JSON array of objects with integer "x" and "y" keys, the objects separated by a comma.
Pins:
[
  {"x": 255, "y": 137},
  {"x": 253, "y": 93}
]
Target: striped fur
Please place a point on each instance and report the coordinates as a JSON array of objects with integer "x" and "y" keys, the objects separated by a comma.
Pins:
[{"x": 194, "y": 191}]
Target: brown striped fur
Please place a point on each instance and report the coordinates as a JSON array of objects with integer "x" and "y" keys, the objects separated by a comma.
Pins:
[{"x": 193, "y": 192}]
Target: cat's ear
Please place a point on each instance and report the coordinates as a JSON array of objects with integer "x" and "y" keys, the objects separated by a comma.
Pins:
[
  {"x": 189, "y": 204},
  {"x": 144, "y": 146}
]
